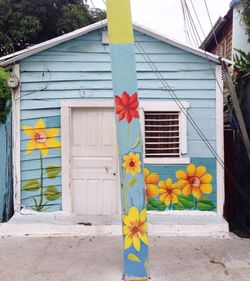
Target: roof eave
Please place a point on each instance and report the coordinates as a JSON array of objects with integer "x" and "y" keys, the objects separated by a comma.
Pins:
[
  {"x": 175, "y": 43},
  {"x": 9, "y": 59},
  {"x": 12, "y": 58}
]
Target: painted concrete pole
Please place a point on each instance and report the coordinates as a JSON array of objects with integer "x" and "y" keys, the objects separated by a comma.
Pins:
[{"x": 129, "y": 139}]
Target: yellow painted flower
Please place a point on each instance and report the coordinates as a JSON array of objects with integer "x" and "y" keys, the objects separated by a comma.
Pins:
[
  {"x": 135, "y": 228},
  {"x": 41, "y": 138},
  {"x": 195, "y": 180},
  {"x": 151, "y": 181},
  {"x": 132, "y": 163},
  {"x": 169, "y": 191}
]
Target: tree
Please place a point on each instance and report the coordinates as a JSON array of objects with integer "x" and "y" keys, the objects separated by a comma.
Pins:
[
  {"x": 5, "y": 95},
  {"x": 246, "y": 16},
  {"x": 27, "y": 22}
]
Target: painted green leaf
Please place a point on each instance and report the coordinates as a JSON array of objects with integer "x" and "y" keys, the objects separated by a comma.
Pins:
[
  {"x": 52, "y": 193},
  {"x": 150, "y": 207},
  {"x": 162, "y": 207},
  {"x": 136, "y": 142},
  {"x": 132, "y": 182},
  {"x": 133, "y": 258},
  {"x": 153, "y": 202},
  {"x": 178, "y": 207},
  {"x": 31, "y": 185},
  {"x": 146, "y": 264},
  {"x": 205, "y": 204},
  {"x": 154, "y": 205},
  {"x": 187, "y": 202},
  {"x": 52, "y": 171}
]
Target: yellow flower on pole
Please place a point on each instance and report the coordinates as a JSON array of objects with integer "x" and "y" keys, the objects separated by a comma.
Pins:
[
  {"x": 41, "y": 138},
  {"x": 135, "y": 228},
  {"x": 132, "y": 163},
  {"x": 195, "y": 180},
  {"x": 169, "y": 191},
  {"x": 151, "y": 180}
]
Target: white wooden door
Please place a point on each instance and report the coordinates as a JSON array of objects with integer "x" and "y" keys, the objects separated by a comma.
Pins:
[{"x": 94, "y": 186}]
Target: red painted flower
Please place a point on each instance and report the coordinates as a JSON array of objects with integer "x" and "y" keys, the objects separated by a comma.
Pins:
[{"x": 127, "y": 106}]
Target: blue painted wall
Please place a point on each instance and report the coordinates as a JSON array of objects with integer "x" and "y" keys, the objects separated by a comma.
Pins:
[
  {"x": 6, "y": 190},
  {"x": 81, "y": 69}
]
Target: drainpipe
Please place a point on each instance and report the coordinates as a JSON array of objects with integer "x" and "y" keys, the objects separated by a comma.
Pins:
[
  {"x": 239, "y": 37},
  {"x": 123, "y": 65}
]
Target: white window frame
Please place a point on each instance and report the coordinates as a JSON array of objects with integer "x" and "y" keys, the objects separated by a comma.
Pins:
[{"x": 148, "y": 105}]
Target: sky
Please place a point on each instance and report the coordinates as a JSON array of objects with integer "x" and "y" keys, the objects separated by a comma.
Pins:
[{"x": 165, "y": 16}]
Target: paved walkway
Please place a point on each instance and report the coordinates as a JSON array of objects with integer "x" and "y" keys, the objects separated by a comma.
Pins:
[{"x": 100, "y": 259}]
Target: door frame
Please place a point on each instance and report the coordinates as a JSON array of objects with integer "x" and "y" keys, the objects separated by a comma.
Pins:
[{"x": 66, "y": 113}]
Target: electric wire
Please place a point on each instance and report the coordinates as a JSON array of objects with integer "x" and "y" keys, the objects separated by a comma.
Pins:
[
  {"x": 188, "y": 40},
  {"x": 208, "y": 13},
  {"x": 179, "y": 104},
  {"x": 197, "y": 18},
  {"x": 228, "y": 173}
]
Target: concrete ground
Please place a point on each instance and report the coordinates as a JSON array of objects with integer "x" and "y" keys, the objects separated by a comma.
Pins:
[{"x": 100, "y": 258}]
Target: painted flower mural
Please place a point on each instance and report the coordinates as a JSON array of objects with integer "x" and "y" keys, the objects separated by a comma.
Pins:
[
  {"x": 187, "y": 192},
  {"x": 127, "y": 107},
  {"x": 195, "y": 181},
  {"x": 132, "y": 163},
  {"x": 42, "y": 139},
  {"x": 169, "y": 192},
  {"x": 135, "y": 228},
  {"x": 151, "y": 180}
]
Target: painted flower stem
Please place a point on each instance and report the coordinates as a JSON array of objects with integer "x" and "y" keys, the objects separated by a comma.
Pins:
[
  {"x": 170, "y": 206},
  {"x": 195, "y": 203},
  {"x": 125, "y": 191},
  {"x": 40, "y": 205}
]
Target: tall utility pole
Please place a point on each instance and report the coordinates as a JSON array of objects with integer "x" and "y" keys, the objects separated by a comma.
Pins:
[{"x": 134, "y": 215}]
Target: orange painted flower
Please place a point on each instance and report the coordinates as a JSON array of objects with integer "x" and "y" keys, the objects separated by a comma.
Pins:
[
  {"x": 169, "y": 191},
  {"x": 127, "y": 106},
  {"x": 41, "y": 138},
  {"x": 151, "y": 181},
  {"x": 195, "y": 180},
  {"x": 135, "y": 228},
  {"x": 132, "y": 163}
]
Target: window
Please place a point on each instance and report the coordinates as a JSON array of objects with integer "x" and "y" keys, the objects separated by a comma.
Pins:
[
  {"x": 165, "y": 132},
  {"x": 162, "y": 134}
]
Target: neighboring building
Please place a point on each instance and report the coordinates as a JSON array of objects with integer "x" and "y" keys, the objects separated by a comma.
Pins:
[
  {"x": 231, "y": 35},
  {"x": 229, "y": 32},
  {"x": 227, "y": 35},
  {"x": 63, "y": 119}
]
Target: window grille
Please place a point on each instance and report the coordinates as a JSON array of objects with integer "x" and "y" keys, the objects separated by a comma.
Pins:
[{"x": 162, "y": 134}]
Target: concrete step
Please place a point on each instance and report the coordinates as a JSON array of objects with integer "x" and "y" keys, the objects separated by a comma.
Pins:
[{"x": 64, "y": 224}]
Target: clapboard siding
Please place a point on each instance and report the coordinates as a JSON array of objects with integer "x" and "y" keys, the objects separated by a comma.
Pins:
[{"x": 80, "y": 69}]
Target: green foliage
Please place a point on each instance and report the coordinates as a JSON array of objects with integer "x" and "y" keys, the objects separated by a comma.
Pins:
[
  {"x": 246, "y": 16},
  {"x": 241, "y": 67},
  {"x": 27, "y": 22},
  {"x": 242, "y": 62},
  {"x": 5, "y": 95}
]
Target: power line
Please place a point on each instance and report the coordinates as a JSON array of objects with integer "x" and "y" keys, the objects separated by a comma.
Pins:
[
  {"x": 179, "y": 104},
  {"x": 215, "y": 38}
]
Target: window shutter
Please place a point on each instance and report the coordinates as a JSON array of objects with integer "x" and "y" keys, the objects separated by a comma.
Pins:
[{"x": 162, "y": 134}]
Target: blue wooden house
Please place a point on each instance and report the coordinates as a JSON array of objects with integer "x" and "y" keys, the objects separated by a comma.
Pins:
[{"x": 64, "y": 148}]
